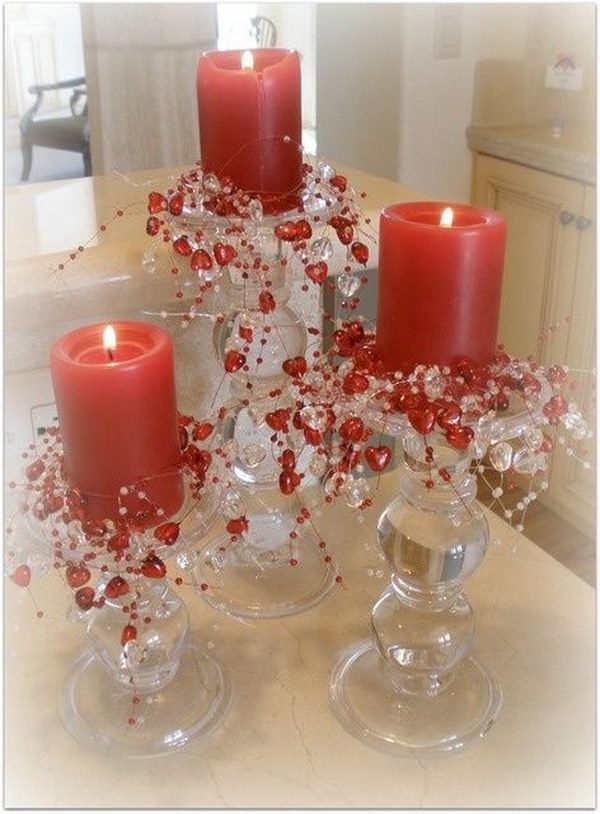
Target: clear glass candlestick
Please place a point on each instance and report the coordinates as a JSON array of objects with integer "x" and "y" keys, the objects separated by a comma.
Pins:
[
  {"x": 143, "y": 685},
  {"x": 152, "y": 695},
  {"x": 271, "y": 566},
  {"x": 414, "y": 687}
]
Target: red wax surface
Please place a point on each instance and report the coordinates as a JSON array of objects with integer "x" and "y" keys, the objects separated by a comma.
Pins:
[
  {"x": 118, "y": 419},
  {"x": 439, "y": 287},
  {"x": 244, "y": 115}
]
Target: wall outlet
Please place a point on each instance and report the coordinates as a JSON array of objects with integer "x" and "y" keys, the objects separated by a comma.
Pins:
[
  {"x": 447, "y": 33},
  {"x": 560, "y": 78}
]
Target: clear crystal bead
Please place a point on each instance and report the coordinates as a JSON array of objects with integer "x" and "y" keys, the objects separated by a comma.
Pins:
[
  {"x": 322, "y": 248},
  {"x": 576, "y": 424},
  {"x": 356, "y": 491},
  {"x": 253, "y": 454},
  {"x": 433, "y": 384},
  {"x": 149, "y": 260},
  {"x": 212, "y": 185},
  {"x": 255, "y": 209},
  {"x": 315, "y": 417},
  {"x": 501, "y": 456},
  {"x": 312, "y": 204},
  {"x": 318, "y": 465},
  {"x": 325, "y": 171},
  {"x": 233, "y": 504},
  {"x": 526, "y": 461},
  {"x": 348, "y": 284},
  {"x": 186, "y": 559}
]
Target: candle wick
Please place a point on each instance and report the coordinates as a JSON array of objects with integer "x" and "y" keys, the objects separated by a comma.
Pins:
[{"x": 110, "y": 355}]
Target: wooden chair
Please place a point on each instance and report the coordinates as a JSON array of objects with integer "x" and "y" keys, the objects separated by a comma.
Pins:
[
  {"x": 264, "y": 32},
  {"x": 60, "y": 132}
]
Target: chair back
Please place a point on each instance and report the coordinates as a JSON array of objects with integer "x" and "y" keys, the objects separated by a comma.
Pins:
[{"x": 263, "y": 31}]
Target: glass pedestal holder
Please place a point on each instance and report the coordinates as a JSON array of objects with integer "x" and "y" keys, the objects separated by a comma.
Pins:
[
  {"x": 143, "y": 686},
  {"x": 266, "y": 565},
  {"x": 414, "y": 687}
]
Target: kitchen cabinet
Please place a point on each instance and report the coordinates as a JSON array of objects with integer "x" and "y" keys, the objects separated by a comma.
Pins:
[{"x": 548, "y": 300}]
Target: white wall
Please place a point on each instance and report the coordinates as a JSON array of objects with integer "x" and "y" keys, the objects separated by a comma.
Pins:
[
  {"x": 437, "y": 93},
  {"x": 141, "y": 70},
  {"x": 358, "y": 84},
  {"x": 296, "y": 28}
]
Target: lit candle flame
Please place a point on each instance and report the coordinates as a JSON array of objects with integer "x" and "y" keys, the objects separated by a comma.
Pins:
[
  {"x": 447, "y": 218},
  {"x": 247, "y": 61},
  {"x": 109, "y": 341}
]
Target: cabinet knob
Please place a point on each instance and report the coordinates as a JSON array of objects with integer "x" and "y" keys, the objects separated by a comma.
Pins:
[
  {"x": 566, "y": 217},
  {"x": 582, "y": 223}
]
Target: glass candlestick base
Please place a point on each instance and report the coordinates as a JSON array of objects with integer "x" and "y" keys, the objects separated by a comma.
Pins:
[
  {"x": 99, "y": 712},
  {"x": 415, "y": 688},
  {"x": 265, "y": 574},
  {"x": 372, "y": 709}
]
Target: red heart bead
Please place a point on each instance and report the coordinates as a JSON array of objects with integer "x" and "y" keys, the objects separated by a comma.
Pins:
[
  {"x": 152, "y": 226},
  {"x": 312, "y": 436},
  {"x": 449, "y": 416},
  {"x": 246, "y": 332},
  {"x": 352, "y": 429},
  {"x": 303, "y": 230},
  {"x": 237, "y": 525},
  {"x": 360, "y": 252},
  {"x": 21, "y": 576},
  {"x": 340, "y": 182},
  {"x": 224, "y": 253},
  {"x": 201, "y": 260},
  {"x": 288, "y": 481},
  {"x": 34, "y": 470},
  {"x": 556, "y": 407},
  {"x": 421, "y": 419},
  {"x": 118, "y": 541},
  {"x": 156, "y": 203},
  {"x": 278, "y": 419},
  {"x": 182, "y": 246},
  {"x": 176, "y": 204},
  {"x": 77, "y": 575},
  {"x": 317, "y": 271},
  {"x": 197, "y": 459},
  {"x": 345, "y": 234},
  {"x": 234, "y": 360},
  {"x": 84, "y": 597},
  {"x": 288, "y": 459},
  {"x": 556, "y": 375},
  {"x": 153, "y": 567},
  {"x": 167, "y": 533},
  {"x": 202, "y": 431},
  {"x": 286, "y": 231},
  {"x": 460, "y": 437},
  {"x": 355, "y": 383},
  {"x": 116, "y": 587},
  {"x": 378, "y": 457},
  {"x": 266, "y": 302},
  {"x": 295, "y": 367},
  {"x": 129, "y": 632}
]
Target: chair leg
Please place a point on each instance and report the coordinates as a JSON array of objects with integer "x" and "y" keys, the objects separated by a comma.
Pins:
[
  {"x": 87, "y": 162},
  {"x": 27, "y": 151}
]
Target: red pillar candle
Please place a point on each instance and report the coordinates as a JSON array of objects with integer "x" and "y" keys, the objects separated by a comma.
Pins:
[
  {"x": 251, "y": 122},
  {"x": 118, "y": 419},
  {"x": 439, "y": 286}
]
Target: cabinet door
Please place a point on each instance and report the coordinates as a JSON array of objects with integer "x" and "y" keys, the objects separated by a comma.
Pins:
[
  {"x": 548, "y": 298},
  {"x": 541, "y": 251},
  {"x": 572, "y": 491}
]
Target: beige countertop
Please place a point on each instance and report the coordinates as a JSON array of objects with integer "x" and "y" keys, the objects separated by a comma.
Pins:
[
  {"x": 571, "y": 154},
  {"x": 280, "y": 745}
]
